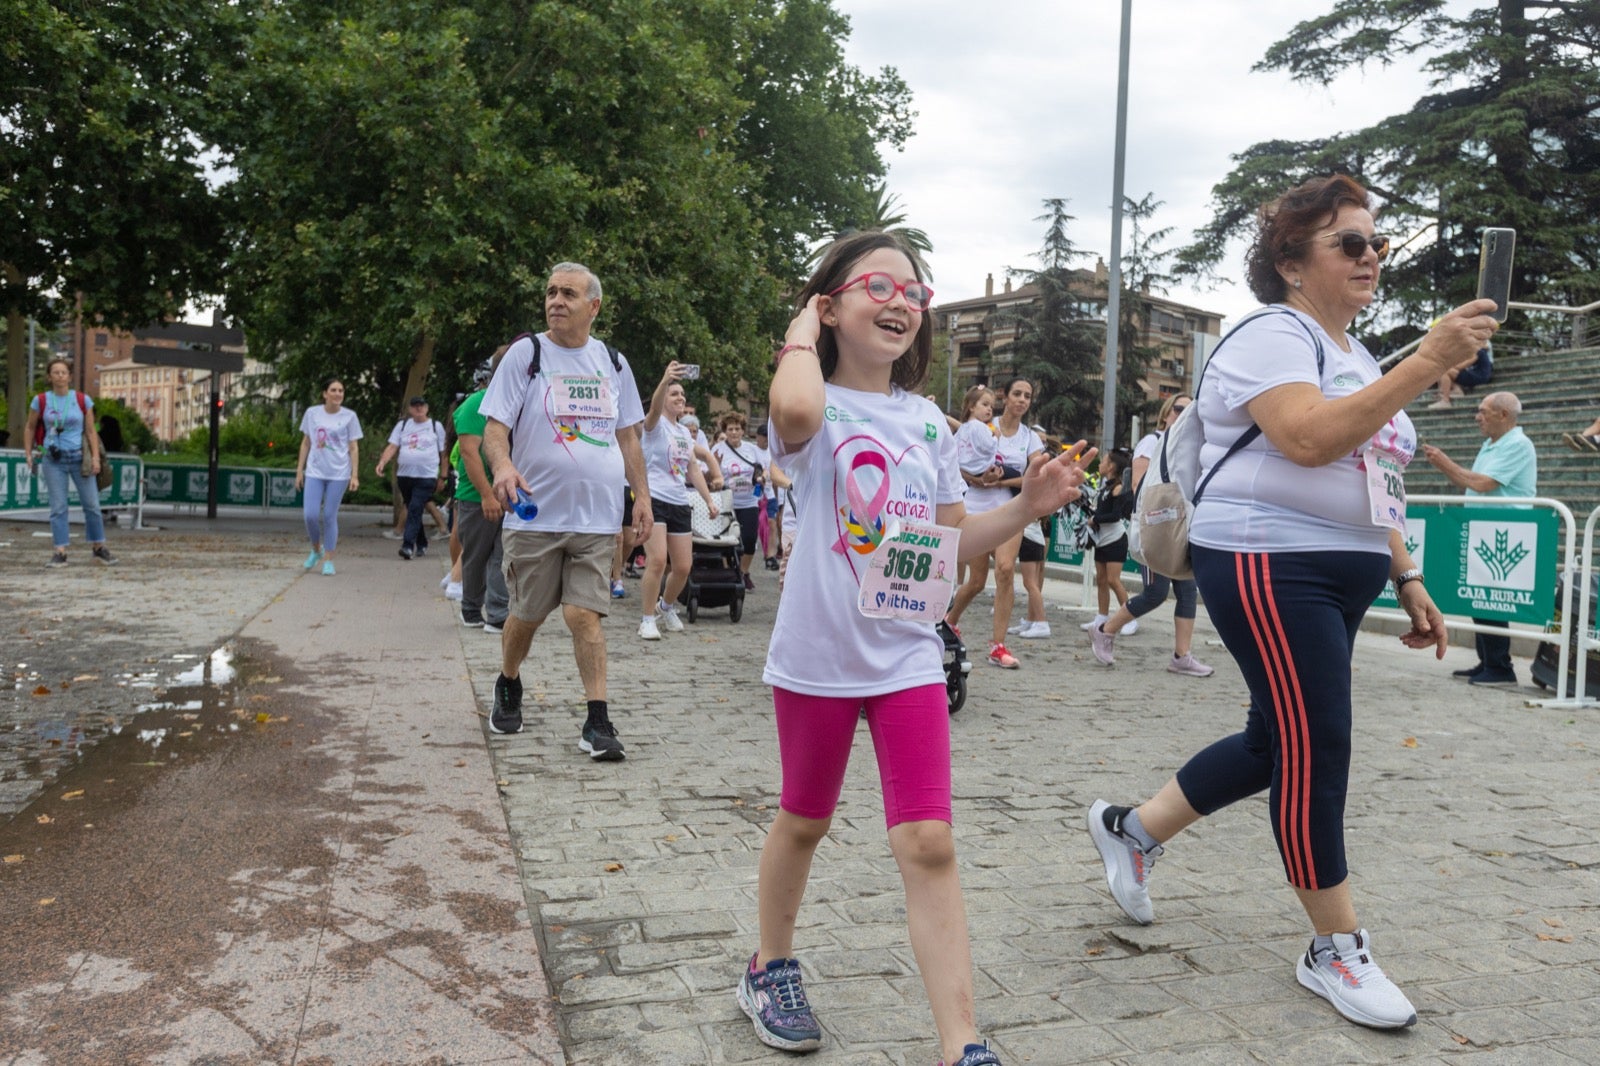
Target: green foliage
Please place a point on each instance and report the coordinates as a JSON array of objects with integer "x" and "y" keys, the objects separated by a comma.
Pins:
[
  {"x": 1143, "y": 265},
  {"x": 135, "y": 434},
  {"x": 406, "y": 175},
  {"x": 1058, "y": 350},
  {"x": 1509, "y": 137},
  {"x": 256, "y": 436}
]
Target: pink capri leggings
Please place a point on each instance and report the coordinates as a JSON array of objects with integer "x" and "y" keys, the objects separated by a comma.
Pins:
[{"x": 910, "y": 732}]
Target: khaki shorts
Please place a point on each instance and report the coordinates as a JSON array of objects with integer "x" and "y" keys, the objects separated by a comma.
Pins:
[{"x": 546, "y": 570}]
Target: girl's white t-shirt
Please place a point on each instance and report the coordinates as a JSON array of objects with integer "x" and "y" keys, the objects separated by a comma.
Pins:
[
  {"x": 897, "y": 453},
  {"x": 975, "y": 446},
  {"x": 1012, "y": 451},
  {"x": 330, "y": 436},
  {"x": 668, "y": 451},
  {"x": 1261, "y": 501},
  {"x": 739, "y": 471}
]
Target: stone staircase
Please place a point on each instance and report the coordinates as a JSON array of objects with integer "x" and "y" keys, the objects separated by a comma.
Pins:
[{"x": 1560, "y": 393}]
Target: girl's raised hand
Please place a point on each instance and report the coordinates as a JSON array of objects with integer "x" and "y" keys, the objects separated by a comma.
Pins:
[
  {"x": 1050, "y": 484},
  {"x": 806, "y": 326}
]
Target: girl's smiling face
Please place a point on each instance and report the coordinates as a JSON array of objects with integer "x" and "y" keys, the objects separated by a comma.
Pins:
[{"x": 867, "y": 331}]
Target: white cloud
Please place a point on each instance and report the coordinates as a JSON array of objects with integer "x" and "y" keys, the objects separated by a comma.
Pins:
[{"x": 1017, "y": 102}]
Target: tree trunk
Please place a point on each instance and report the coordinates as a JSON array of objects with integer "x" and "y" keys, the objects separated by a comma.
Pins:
[{"x": 16, "y": 365}]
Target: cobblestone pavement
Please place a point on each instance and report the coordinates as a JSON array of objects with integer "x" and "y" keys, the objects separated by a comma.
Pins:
[{"x": 1473, "y": 830}]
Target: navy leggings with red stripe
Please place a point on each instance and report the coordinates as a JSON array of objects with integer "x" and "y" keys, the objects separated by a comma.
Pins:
[{"x": 1289, "y": 619}]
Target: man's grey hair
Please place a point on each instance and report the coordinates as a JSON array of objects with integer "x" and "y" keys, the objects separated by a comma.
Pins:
[
  {"x": 593, "y": 292},
  {"x": 1506, "y": 402}
]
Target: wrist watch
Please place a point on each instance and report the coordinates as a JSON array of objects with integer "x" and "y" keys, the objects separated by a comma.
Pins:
[{"x": 1405, "y": 578}]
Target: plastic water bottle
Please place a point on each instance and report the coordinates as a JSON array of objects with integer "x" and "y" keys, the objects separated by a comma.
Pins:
[{"x": 525, "y": 508}]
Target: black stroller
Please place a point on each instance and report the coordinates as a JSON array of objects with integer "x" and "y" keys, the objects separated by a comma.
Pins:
[
  {"x": 956, "y": 667},
  {"x": 715, "y": 579}
]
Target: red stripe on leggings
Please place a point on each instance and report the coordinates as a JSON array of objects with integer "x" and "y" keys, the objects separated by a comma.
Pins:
[{"x": 1288, "y": 707}]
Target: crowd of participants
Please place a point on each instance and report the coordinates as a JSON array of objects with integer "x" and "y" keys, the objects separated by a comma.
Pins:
[{"x": 1285, "y": 534}]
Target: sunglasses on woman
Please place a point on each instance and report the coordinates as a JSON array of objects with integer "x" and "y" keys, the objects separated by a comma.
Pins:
[
  {"x": 882, "y": 287},
  {"x": 1354, "y": 244}
]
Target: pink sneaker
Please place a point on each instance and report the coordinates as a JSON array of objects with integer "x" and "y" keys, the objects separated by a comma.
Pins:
[
  {"x": 1189, "y": 666},
  {"x": 1101, "y": 642},
  {"x": 999, "y": 656}
]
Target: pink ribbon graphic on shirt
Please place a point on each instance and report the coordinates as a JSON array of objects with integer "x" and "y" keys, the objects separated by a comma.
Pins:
[{"x": 863, "y": 519}]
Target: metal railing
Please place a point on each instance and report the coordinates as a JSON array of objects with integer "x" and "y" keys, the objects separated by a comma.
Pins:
[{"x": 1580, "y": 336}]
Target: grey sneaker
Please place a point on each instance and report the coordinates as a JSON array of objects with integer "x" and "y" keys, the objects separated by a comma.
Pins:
[
  {"x": 1100, "y": 642},
  {"x": 103, "y": 553},
  {"x": 668, "y": 618},
  {"x": 57, "y": 559},
  {"x": 600, "y": 741},
  {"x": 1346, "y": 976},
  {"x": 1127, "y": 864}
]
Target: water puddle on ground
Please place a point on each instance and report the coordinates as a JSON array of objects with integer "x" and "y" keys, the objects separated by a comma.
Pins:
[{"x": 177, "y": 707}]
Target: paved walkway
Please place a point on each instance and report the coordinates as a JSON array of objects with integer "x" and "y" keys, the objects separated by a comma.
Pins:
[{"x": 335, "y": 883}]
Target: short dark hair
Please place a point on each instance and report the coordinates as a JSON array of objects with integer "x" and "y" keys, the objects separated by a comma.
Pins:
[
  {"x": 1291, "y": 220},
  {"x": 911, "y": 369}
]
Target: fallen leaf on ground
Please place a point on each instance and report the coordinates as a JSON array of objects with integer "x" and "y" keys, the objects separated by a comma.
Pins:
[
  {"x": 1409, "y": 742},
  {"x": 47, "y": 901},
  {"x": 42, "y": 690},
  {"x": 1557, "y": 939},
  {"x": 1554, "y": 923},
  {"x": 13, "y": 859},
  {"x": 76, "y": 793},
  {"x": 44, "y": 819},
  {"x": 263, "y": 716},
  {"x": 613, "y": 867}
]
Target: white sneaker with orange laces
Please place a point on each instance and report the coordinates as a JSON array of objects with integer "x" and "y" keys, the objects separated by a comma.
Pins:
[{"x": 1346, "y": 976}]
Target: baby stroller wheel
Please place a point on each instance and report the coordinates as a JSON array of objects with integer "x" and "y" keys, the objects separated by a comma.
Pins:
[
  {"x": 956, "y": 691},
  {"x": 736, "y": 608},
  {"x": 694, "y": 608}
]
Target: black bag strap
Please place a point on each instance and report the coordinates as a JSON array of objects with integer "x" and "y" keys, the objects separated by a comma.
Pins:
[
  {"x": 1254, "y": 431},
  {"x": 533, "y": 364}
]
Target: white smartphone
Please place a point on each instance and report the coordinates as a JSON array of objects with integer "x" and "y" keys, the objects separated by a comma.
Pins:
[
  {"x": 690, "y": 371},
  {"x": 1494, "y": 268}
]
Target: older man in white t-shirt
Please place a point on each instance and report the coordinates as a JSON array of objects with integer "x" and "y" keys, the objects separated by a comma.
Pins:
[{"x": 564, "y": 417}]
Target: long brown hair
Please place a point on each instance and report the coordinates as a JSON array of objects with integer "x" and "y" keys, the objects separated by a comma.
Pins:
[{"x": 911, "y": 369}]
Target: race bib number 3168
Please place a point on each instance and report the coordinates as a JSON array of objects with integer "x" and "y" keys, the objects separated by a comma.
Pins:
[{"x": 911, "y": 574}]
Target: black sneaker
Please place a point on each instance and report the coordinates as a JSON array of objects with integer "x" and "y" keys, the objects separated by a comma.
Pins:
[
  {"x": 57, "y": 559},
  {"x": 422, "y": 549},
  {"x": 491, "y": 626},
  {"x": 600, "y": 741},
  {"x": 103, "y": 553},
  {"x": 474, "y": 620},
  {"x": 772, "y": 564},
  {"x": 1468, "y": 671},
  {"x": 506, "y": 715}
]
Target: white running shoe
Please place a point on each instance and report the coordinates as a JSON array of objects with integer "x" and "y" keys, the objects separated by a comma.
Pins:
[
  {"x": 648, "y": 630},
  {"x": 1130, "y": 629},
  {"x": 1088, "y": 627},
  {"x": 1346, "y": 976},
  {"x": 452, "y": 591},
  {"x": 669, "y": 618},
  {"x": 1189, "y": 666},
  {"x": 1034, "y": 631},
  {"x": 1020, "y": 628},
  {"x": 1127, "y": 864}
]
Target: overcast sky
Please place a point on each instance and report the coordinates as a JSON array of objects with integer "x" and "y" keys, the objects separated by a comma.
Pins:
[{"x": 1016, "y": 102}]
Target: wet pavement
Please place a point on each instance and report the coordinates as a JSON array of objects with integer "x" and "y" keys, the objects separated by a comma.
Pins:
[
  {"x": 256, "y": 819},
  {"x": 250, "y": 815}
]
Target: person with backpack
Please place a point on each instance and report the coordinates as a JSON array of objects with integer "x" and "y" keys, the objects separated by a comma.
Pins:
[
  {"x": 1290, "y": 543},
  {"x": 563, "y": 418},
  {"x": 420, "y": 444},
  {"x": 1156, "y": 585},
  {"x": 63, "y": 441}
]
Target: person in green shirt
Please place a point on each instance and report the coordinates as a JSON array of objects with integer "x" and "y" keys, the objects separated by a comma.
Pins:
[
  {"x": 484, "y": 599},
  {"x": 1507, "y": 465}
]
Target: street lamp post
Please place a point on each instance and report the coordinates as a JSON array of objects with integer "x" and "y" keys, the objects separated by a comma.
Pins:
[
  {"x": 1108, "y": 408},
  {"x": 950, "y": 366}
]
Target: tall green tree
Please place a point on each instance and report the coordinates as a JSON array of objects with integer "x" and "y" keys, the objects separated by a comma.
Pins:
[
  {"x": 1509, "y": 136},
  {"x": 104, "y": 191},
  {"x": 1058, "y": 344}
]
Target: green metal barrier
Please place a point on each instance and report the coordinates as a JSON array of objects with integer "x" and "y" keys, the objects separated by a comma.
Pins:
[
  {"x": 22, "y": 491},
  {"x": 237, "y": 486},
  {"x": 1485, "y": 561}
]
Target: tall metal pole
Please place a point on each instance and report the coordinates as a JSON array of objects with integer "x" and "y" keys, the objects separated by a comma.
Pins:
[
  {"x": 1108, "y": 409},
  {"x": 950, "y": 367}
]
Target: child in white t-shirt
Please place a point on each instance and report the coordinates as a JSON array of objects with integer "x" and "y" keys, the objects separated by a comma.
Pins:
[{"x": 865, "y": 452}]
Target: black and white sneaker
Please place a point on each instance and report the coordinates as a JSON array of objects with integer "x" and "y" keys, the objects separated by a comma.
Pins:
[
  {"x": 506, "y": 714},
  {"x": 472, "y": 619},
  {"x": 405, "y": 553},
  {"x": 103, "y": 553},
  {"x": 600, "y": 741}
]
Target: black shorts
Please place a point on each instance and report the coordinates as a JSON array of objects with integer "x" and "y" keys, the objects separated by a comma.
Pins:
[
  {"x": 1030, "y": 552},
  {"x": 675, "y": 516},
  {"x": 1115, "y": 551}
]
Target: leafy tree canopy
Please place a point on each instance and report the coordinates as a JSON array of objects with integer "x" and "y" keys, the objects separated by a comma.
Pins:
[{"x": 1510, "y": 136}]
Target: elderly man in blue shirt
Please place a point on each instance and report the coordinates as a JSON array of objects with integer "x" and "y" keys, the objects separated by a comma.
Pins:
[{"x": 1507, "y": 465}]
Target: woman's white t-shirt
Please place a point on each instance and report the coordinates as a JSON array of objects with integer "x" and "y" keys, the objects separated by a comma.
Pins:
[
  {"x": 1261, "y": 501},
  {"x": 1012, "y": 451},
  {"x": 330, "y": 436},
  {"x": 821, "y": 644},
  {"x": 739, "y": 471},
  {"x": 668, "y": 451}
]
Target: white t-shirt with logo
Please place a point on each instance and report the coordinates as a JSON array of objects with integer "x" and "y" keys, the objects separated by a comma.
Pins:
[
  {"x": 896, "y": 452},
  {"x": 739, "y": 470},
  {"x": 330, "y": 436},
  {"x": 668, "y": 451},
  {"x": 1012, "y": 451},
  {"x": 1261, "y": 501},
  {"x": 572, "y": 465},
  {"x": 419, "y": 445},
  {"x": 975, "y": 446}
]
